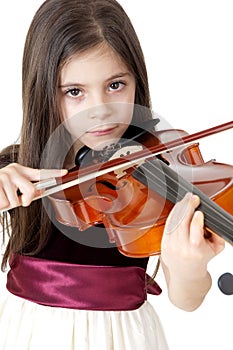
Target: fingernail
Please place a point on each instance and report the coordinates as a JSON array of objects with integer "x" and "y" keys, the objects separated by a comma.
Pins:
[
  {"x": 198, "y": 215},
  {"x": 188, "y": 195},
  {"x": 196, "y": 199}
]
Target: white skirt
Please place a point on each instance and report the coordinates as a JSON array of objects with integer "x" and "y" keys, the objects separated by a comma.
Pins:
[{"x": 25, "y": 325}]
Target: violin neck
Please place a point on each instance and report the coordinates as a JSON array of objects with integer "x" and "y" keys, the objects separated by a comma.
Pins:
[{"x": 163, "y": 180}]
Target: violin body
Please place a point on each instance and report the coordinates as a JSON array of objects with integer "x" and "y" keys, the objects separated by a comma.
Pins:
[
  {"x": 134, "y": 213},
  {"x": 142, "y": 236}
]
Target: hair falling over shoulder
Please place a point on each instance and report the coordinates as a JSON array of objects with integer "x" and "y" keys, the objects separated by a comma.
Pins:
[{"x": 60, "y": 29}]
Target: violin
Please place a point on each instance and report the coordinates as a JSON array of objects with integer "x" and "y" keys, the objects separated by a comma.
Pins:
[
  {"x": 133, "y": 194},
  {"x": 131, "y": 188}
]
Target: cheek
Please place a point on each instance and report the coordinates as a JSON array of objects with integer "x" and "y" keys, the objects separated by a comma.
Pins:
[
  {"x": 76, "y": 123},
  {"x": 123, "y": 112},
  {"x": 68, "y": 111},
  {"x": 64, "y": 109},
  {"x": 69, "y": 107},
  {"x": 132, "y": 93}
]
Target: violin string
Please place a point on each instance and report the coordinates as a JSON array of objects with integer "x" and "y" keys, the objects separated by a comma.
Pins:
[
  {"x": 212, "y": 224},
  {"x": 210, "y": 205},
  {"x": 187, "y": 187},
  {"x": 225, "y": 218}
]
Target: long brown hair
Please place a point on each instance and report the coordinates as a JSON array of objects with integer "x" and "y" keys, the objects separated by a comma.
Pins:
[{"x": 60, "y": 29}]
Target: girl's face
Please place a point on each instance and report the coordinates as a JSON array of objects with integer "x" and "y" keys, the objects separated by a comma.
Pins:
[{"x": 96, "y": 95}]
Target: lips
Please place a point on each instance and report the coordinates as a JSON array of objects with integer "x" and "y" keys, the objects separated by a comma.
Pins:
[{"x": 104, "y": 131}]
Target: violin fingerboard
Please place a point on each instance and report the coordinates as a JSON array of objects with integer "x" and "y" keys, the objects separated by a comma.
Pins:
[{"x": 166, "y": 182}]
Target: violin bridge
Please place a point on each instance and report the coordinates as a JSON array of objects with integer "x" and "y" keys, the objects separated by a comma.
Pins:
[{"x": 123, "y": 152}]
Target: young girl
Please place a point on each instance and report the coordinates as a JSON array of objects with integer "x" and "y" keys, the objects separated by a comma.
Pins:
[{"x": 69, "y": 289}]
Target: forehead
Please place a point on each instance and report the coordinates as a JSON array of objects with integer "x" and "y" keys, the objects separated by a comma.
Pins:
[{"x": 101, "y": 59}]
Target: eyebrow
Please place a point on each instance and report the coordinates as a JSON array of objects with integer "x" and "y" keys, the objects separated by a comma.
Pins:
[{"x": 118, "y": 75}]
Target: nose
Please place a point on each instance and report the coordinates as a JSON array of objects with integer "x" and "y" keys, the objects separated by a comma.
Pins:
[
  {"x": 100, "y": 112},
  {"x": 100, "y": 108}
]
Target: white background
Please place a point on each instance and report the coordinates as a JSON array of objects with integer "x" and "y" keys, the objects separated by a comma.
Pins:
[{"x": 189, "y": 54}]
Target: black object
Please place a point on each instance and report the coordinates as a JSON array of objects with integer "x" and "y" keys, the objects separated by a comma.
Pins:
[{"x": 225, "y": 283}]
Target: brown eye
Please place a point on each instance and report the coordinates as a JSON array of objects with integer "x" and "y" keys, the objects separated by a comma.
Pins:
[
  {"x": 73, "y": 92},
  {"x": 117, "y": 85}
]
